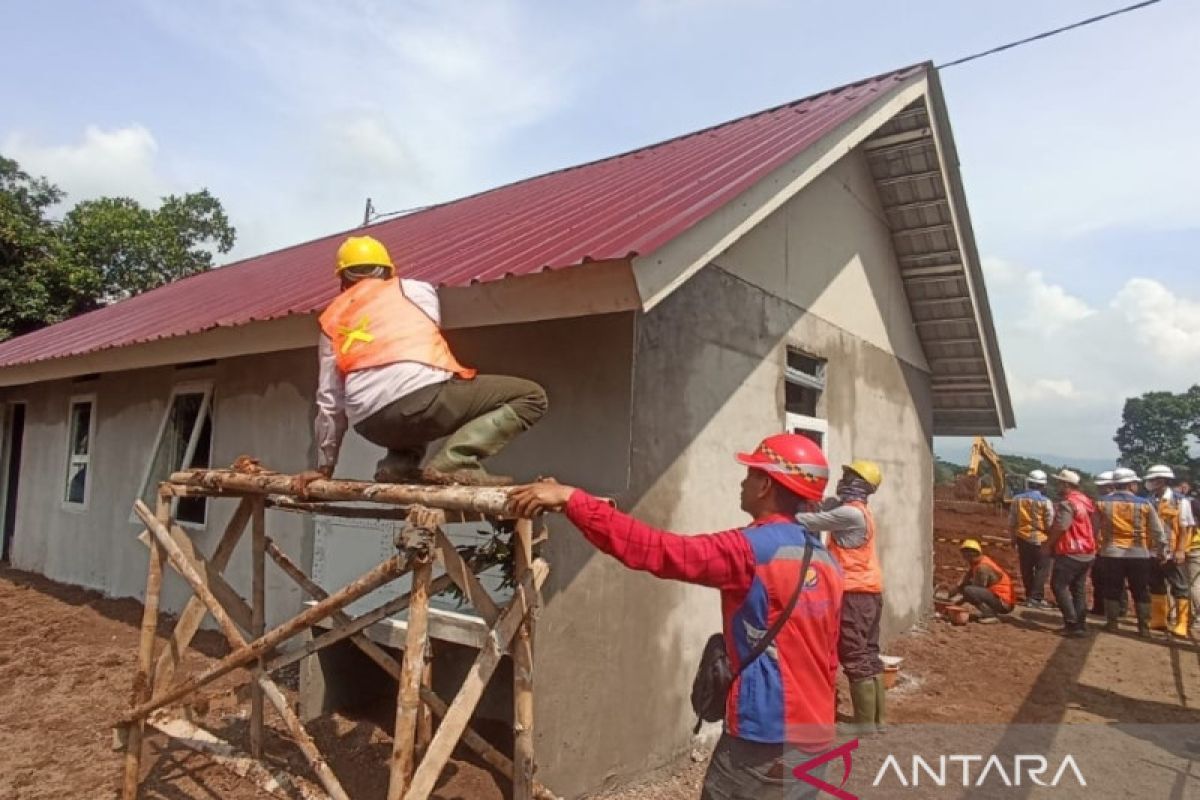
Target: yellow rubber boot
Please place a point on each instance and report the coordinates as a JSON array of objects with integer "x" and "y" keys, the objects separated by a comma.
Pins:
[
  {"x": 1159, "y": 606},
  {"x": 1183, "y": 617}
]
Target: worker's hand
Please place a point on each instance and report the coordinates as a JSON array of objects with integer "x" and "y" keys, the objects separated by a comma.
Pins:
[
  {"x": 534, "y": 498},
  {"x": 300, "y": 482}
]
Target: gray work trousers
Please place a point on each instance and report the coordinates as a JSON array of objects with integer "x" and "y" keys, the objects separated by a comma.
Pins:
[{"x": 745, "y": 770}]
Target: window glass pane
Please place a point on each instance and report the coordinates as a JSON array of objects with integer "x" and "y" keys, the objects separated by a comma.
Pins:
[
  {"x": 194, "y": 509},
  {"x": 77, "y": 482},
  {"x": 168, "y": 456},
  {"x": 807, "y": 364},
  {"x": 800, "y": 400},
  {"x": 81, "y": 421}
]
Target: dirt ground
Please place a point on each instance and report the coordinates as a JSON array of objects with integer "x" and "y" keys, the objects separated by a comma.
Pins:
[{"x": 68, "y": 654}]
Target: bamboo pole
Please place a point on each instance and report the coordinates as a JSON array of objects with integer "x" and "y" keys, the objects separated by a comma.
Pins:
[
  {"x": 239, "y": 610},
  {"x": 467, "y": 581},
  {"x": 424, "y": 712},
  {"x": 490, "y": 500},
  {"x": 408, "y": 693},
  {"x": 258, "y": 600},
  {"x": 142, "y": 685},
  {"x": 194, "y": 612},
  {"x": 522, "y": 660},
  {"x": 281, "y": 503},
  {"x": 385, "y": 572},
  {"x": 454, "y": 722},
  {"x": 351, "y": 627}
]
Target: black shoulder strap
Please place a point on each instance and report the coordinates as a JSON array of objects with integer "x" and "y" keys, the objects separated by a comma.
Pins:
[{"x": 784, "y": 616}]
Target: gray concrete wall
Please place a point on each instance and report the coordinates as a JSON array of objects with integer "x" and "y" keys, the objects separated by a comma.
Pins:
[
  {"x": 97, "y": 547},
  {"x": 818, "y": 275}
]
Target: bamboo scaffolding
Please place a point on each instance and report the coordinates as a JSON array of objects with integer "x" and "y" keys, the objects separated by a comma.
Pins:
[{"x": 418, "y": 755}]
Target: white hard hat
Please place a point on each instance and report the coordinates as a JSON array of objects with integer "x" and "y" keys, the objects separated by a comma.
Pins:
[
  {"x": 1037, "y": 476},
  {"x": 1067, "y": 476},
  {"x": 1104, "y": 479},
  {"x": 1159, "y": 471},
  {"x": 1124, "y": 475}
]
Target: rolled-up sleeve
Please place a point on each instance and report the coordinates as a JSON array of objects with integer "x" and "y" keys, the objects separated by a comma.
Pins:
[{"x": 330, "y": 424}]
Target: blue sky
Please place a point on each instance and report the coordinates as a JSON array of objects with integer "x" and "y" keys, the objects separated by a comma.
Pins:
[{"x": 1077, "y": 152}]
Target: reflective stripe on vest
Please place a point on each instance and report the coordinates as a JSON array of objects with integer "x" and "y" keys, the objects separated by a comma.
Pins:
[
  {"x": 860, "y": 565},
  {"x": 373, "y": 324},
  {"x": 1002, "y": 588},
  {"x": 1124, "y": 521},
  {"x": 1032, "y": 517}
]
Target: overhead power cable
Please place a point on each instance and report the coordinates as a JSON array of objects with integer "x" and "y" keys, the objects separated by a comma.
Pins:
[{"x": 1048, "y": 34}]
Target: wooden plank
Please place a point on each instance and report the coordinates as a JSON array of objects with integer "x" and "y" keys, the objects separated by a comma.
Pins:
[
  {"x": 522, "y": 657},
  {"x": 274, "y": 782},
  {"x": 491, "y": 500},
  {"x": 369, "y": 582},
  {"x": 424, "y": 712},
  {"x": 466, "y": 580},
  {"x": 408, "y": 694},
  {"x": 194, "y": 612},
  {"x": 258, "y": 600},
  {"x": 459, "y": 713},
  {"x": 142, "y": 681}
]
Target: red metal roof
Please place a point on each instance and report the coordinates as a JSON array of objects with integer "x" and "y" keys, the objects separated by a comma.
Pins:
[{"x": 628, "y": 204}]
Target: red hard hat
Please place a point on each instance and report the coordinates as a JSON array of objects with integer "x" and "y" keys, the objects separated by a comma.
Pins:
[{"x": 793, "y": 461}]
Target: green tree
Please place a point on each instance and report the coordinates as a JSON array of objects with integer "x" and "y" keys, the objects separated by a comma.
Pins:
[
  {"x": 102, "y": 250},
  {"x": 1158, "y": 427}
]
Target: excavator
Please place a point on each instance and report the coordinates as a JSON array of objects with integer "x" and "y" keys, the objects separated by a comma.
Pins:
[{"x": 990, "y": 488}]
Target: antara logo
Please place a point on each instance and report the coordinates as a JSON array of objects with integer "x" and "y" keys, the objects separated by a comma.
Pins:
[{"x": 992, "y": 771}]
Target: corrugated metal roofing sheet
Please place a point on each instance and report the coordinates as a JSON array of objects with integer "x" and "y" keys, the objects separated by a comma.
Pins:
[{"x": 628, "y": 204}]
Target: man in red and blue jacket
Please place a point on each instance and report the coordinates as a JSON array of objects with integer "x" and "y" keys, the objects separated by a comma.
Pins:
[{"x": 781, "y": 709}]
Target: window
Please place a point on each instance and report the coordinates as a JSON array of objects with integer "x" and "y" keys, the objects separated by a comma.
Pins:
[
  {"x": 80, "y": 432},
  {"x": 184, "y": 442},
  {"x": 803, "y": 385}
]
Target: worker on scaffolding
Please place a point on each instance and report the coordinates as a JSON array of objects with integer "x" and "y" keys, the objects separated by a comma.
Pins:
[
  {"x": 1130, "y": 537},
  {"x": 986, "y": 586},
  {"x": 780, "y": 707},
  {"x": 386, "y": 369},
  {"x": 851, "y": 527},
  {"x": 1168, "y": 573},
  {"x": 1029, "y": 519}
]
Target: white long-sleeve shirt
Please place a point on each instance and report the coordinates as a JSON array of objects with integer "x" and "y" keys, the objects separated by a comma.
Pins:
[{"x": 350, "y": 400}]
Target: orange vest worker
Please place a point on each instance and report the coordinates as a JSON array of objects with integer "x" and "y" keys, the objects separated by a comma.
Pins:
[
  {"x": 1002, "y": 588},
  {"x": 373, "y": 324},
  {"x": 860, "y": 565}
]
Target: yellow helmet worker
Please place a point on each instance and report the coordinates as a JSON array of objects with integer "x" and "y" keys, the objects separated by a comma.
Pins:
[
  {"x": 867, "y": 470},
  {"x": 363, "y": 251}
]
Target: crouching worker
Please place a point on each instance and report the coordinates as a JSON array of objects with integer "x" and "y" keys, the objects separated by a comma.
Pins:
[
  {"x": 780, "y": 708},
  {"x": 851, "y": 529},
  {"x": 386, "y": 369},
  {"x": 986, "y": 586}
]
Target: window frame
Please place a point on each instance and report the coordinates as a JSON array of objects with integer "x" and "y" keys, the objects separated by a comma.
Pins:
[
  {"x": 817, "y": 381},
  {"x": 204, "y": 387},
  {"x": 71, "y": 458}
]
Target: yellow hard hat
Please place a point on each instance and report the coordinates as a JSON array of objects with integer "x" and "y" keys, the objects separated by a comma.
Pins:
[
  {"x": 867, "y": 470},
  {"x": 970, "y": 544},
  {"x": 363, "y": 251}
]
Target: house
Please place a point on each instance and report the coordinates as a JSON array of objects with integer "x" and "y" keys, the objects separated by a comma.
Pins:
[{"x": 809, "y": 267}]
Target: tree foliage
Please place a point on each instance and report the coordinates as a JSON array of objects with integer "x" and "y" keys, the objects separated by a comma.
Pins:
[
  {"x": 101, "y": 251},
  {"x": 1160, "y": 428}
]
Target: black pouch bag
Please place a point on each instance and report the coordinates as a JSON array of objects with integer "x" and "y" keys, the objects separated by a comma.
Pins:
[{"x": 715, "y": 676}]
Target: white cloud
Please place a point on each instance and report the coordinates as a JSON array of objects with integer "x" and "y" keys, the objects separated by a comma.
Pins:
[
  {"x": 406, "y": 103},
  {"x": 1162, "y": 320},
  {"x": 1043, "y": 390},
  {"x": 1051, "y": 308},
  {"x": 118, "y": 161}
]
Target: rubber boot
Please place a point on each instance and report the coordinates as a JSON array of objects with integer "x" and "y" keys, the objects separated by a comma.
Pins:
[
  {"x": 880, "y": 704},
  {"x": 1112, "y": 615},
  {"x": 1183, "y": 617},
  {"x": 863, "y": 698},
  {"x": 399, "y": 466},
  {"x": 459, "y": 459},
  {"x": 1143, "y": 619},
  {"x": 1160, "y": 606}
]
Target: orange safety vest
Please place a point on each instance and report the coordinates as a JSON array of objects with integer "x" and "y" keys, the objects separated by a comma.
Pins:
[
  {"x": 1169, "y": 511},
  {"x": 1002, "y": 588},
  {"x": 860, "y": 565},
  {"x": 1033, "y": 522},
  {"x": 373, "y": 324},
  {"x": 1125, "y": 522}
]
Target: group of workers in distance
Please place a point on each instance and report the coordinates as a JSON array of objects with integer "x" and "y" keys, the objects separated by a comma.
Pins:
[
  {"x": 1142, "y": 544},
  {"x": 385, "y": 368}
]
